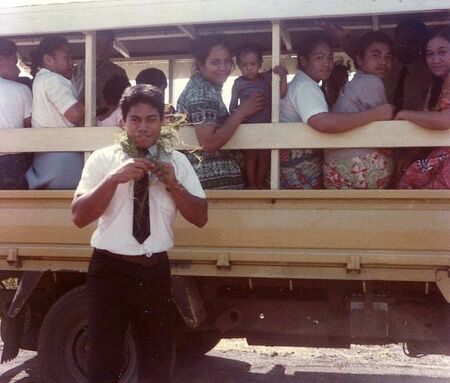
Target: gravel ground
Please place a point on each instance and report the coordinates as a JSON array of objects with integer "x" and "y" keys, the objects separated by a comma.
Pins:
[{"x": 233, "y": 361}]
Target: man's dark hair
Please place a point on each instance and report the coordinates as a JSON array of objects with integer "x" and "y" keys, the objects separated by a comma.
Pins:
[
  {"x": 309, "y": 42},
  {"x": 113, "y": 89},
  {"x": 152, "y": 76},
  {"x": 48, "y": 46},
  {"x": 142, "y": 93},
  {"x": 414, "y": 25},
  {"x": 7, "y": 47},
  {"x": 249, "y": 47},
  {"x": 372, "y": 37}
]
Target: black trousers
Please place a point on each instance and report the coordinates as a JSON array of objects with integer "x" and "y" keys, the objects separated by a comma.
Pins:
[{"x": 123, "y": 295}]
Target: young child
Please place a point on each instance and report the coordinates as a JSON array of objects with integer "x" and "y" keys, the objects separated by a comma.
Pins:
[
  {"x": 112, "y": 92},
  {"x": 249, "y": 59},
  {"x": 362, "y": 168}
]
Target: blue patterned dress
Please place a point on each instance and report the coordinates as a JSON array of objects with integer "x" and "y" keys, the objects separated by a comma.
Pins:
[{"x": 202, "y": 102}]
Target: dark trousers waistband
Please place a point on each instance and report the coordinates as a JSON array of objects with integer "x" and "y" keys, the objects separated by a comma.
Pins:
[{"x": 142, "y": 259}]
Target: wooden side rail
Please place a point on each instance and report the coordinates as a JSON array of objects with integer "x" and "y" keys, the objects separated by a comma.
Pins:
[{"x": 383, "y": 134}]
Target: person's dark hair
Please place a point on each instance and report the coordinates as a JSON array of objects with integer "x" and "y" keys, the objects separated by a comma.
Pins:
[
  {"x": 249, "y": 47},
  {"x": 437, "y": 82},
  {"x": 142, "y": 93},
  {"x": 113, "y": 89},
  {"x": 7, "y": 47},
  {"x": 202, "y": 46},
  {"x": 48, "y": 46},
  {"x": 412, "y": 24},
  {"x": 372, "y": 37},
  {"x": 152, "y": 76},
  {"x": 310, "y": 40}
]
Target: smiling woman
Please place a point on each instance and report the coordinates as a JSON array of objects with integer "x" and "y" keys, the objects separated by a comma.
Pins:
[{"x": 202, "y": 101}]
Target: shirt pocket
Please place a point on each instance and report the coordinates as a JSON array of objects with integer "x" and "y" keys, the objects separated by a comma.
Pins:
[{"x": 162, "y": 201}]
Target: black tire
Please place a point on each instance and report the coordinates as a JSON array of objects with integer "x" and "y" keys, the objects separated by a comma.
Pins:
[
  {"x": 63, "y": 341},
  {"x": 192, "y": 345}
]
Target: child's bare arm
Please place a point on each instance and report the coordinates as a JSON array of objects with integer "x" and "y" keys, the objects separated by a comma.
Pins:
[
  {"x": 234, "y": 98},
  {"x": 281, "y": 71}
]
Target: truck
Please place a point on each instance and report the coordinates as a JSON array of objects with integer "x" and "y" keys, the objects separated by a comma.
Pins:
[{"x": 314, "y": 268}]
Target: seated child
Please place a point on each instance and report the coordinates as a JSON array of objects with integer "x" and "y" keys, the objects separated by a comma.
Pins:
[
  {"x": 432, "y": 169},
  {"x": 362, "y": 168},
  {"x": 112, "y": 93},
  {"x": 249, "y": 59}
]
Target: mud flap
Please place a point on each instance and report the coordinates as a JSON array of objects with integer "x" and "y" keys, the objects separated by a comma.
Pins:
[
  {"x": 13, "y": 324},
  {"x": 188, "y": 301}
]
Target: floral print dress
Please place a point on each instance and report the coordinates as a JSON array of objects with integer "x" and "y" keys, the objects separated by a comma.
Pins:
[{"x": 432, "y": 172}]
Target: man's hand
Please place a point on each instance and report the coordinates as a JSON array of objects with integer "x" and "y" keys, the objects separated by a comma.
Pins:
[
  {"x": 133, "y": 169},
  {"x": 165, "y": 173},
  {"x": 384, "y": 112}
]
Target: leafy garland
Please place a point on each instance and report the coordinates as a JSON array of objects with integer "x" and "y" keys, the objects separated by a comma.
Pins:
[{"x": 166, "y": 142}]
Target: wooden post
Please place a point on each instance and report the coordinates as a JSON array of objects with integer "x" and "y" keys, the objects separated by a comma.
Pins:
[
  {"x": 90, "y": 97},
  {"x": 90, "y": 81},
  {"x": 171, "y": 79},
  {"x": 275, "y": 154}
]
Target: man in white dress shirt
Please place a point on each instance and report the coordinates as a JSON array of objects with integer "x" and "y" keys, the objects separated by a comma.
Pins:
[
  {"x": 15, "y": 112},
  {"x": 129, "y": 274}
]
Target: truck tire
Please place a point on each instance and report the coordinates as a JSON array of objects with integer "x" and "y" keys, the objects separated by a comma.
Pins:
[
  {"x": 63, "y": 342},
  {"x": 192, "y": 345}
]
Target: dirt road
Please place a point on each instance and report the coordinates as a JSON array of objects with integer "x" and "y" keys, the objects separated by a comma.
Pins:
[{"x": 233, "y": 361}]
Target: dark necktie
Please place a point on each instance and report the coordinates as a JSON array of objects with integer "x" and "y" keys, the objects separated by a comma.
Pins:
[
  {"x": 399, "y": 94},
  {"x": 141, "y": 210}
]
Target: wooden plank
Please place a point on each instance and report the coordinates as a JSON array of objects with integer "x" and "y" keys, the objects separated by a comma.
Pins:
[{"x": 384, "y": 134}]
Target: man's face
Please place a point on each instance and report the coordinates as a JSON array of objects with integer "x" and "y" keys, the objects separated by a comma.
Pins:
[
  {"x": 8, "y": 67},
  {"x": 60, "y": 62},
  {"x": 377, "y": 59},
  {"x": 319, "y": 63},
  {"x": 143, "y": 125}
]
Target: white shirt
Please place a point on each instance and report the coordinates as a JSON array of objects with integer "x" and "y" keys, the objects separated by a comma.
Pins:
[
  {"x": 303, "y": 100},
  {"x": 115, "y": 227},
  {"x": 15, "y": 104},
  {"x": 112, "y": 120},
  {"x": 53, "y": 95}
]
